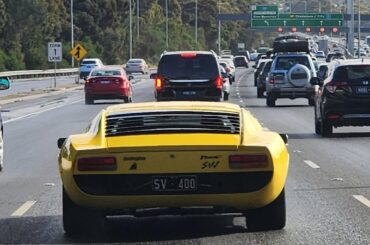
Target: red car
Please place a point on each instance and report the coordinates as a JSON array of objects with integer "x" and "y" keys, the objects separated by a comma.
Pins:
[{"x": 108, "y": 83}]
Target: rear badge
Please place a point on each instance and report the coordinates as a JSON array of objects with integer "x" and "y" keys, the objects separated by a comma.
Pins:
[
  {"x": 133, "y": 166},
  {"x": 365, "y": 82}
]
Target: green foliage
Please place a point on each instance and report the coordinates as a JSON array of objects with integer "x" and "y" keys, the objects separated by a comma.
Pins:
[{"x": 102, "y": 27}]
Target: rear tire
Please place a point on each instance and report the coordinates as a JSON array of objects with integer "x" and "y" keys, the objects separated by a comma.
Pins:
[
  {"x": 270, "y": 101},
  {"x": 311, "y": 102},
  {"x": 226, "y": 96},
  {"x": 259, "y": 92},
  {"x": 317, "y": 127},
  {"x": 77, "y": 220},
  {"x": 126, "y": 99},
  {"x": 270, "y": 217},
  {"x": 326, "y": 128},
  {"x": 89, "y": 100}
]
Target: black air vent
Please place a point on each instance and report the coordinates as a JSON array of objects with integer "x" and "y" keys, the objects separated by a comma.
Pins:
[{"x": 172, "y": 122}]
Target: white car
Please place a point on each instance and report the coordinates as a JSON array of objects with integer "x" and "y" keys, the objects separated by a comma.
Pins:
[
  {"x": 87, "y": 65},
  {"x": 225, "y": 84},
  {"x": 229, "y": 67}
]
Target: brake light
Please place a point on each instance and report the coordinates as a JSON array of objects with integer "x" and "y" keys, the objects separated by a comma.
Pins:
[
  {"x": 188, "y": 55},
  {"x": 119, "y": 81},
  {"x": 334, "y": 85},
  {"x": 218, "y": 82},
  {"x": 97, "y": 164},
  {"x": 248, "y": 161},
  {"x": 158, "y": 83},
  {"x": 272, "y": 80}
]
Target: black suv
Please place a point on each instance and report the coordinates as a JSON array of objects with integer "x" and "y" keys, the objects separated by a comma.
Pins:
[
  {"x": 188, "y": 75},
  {"x": 343, "y": 98}
]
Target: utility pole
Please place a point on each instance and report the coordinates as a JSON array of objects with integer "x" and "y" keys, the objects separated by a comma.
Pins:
[
  {"x": 166, "y": 24},
  {"x": 138, "y": 18},
  {"x": 196, "y": 22},
  {"x": 359, "y": 28},
  {"x": 130, "y": 17},
  {"x": 72, "y": 34},
  {"x": 351, "y": 26},
  {"x": 219, "y": 29}
]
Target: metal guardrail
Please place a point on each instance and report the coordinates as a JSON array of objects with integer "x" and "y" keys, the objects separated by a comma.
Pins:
[{"x": 39, "y": 73}]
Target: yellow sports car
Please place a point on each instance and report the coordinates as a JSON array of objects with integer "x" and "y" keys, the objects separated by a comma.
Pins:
[{"x": 173, "y": 158}]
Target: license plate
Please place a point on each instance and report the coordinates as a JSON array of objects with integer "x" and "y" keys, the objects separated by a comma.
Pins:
[
  {"x": 189, "y": 93},
  {"x": 174, "y": 183},
  {"x": 362, "y": 90},
  {"x": 104, "y": 82}
]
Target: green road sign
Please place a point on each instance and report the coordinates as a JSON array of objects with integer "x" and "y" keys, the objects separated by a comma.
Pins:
[
  {"x": 311, "y": 16},
  {"x": 295, "y": 23},
  {"x": 264, "y": 12}
]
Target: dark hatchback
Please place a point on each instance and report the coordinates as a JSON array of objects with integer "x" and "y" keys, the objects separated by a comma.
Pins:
[
  {"x": 188, "y": 75},
  {"x": 261, "y": 79},
  {"x": 343, "y": 99}
]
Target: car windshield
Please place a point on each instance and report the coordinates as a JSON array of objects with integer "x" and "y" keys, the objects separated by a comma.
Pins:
[
  {"x": 352, "y": 73},
  {"x": 201, "y": 66},
  {"x": 100, "y": 73},
  {"x": 285, "y": 63}
]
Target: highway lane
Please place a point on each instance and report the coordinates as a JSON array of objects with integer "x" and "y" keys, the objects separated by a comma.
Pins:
[{"x": 324, "y": 177}]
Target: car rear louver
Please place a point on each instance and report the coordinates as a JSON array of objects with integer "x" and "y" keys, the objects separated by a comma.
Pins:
[{"x": 172, "y": 122}]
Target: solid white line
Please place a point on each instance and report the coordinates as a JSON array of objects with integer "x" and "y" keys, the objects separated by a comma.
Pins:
[
  {"x": 39, "y": 112},
  {"x": 363, "y": 200},
  {"x": 311, "y": 164},
  {"x": 23, "y": 209}
]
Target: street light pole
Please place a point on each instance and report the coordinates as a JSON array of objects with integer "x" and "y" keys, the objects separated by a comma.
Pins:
[
  {"x": 359, "y": 28},
  {"x": 196, "y": 22},
  {"x": 219, "y": 28},
  {"x": 72, "y": 34},
  {"x": 166, "y": 24},
  {"x": 130, "y": 18},
  {"x": 138, "y": 18}
]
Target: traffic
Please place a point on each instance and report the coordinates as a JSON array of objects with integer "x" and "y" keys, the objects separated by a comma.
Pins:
[{"x": 264, "y": 143}]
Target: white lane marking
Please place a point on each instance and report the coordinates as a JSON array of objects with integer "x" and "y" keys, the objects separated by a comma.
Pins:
[
  {"x": 241, "y": 101},
  {"x": 363, "y": 200},
  {"x": 41, "y": 111},
  {"x": 311, "y": 164},
  {"x": 23, "y": 209}
]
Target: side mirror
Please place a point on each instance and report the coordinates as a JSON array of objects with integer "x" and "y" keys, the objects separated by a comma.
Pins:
[
  {"x": 153, "y": 75},
  {"x": 60, "y": 142},
  {"x": 316, "y": 81},
  {"x": 224, "y": 75},
  {"x": 285, "y": 138},
  {"x": 130, "y": 77},
  {"x": 4, "y": 83}
]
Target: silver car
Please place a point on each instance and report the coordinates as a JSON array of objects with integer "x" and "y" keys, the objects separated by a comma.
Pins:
[{"x": 137, "y": 66}]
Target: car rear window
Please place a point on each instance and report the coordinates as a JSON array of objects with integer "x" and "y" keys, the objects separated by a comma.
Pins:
[
  {"x": 99, "y": 73},
  {"x": 267, "y": 67},
  {"x": 352, "y": 73},
  {"x": 135, "y": 61},
  {"x": 285, "y": 63},
  {"x": 201, "y": 66},
  {"x": 88, "y": 62}
]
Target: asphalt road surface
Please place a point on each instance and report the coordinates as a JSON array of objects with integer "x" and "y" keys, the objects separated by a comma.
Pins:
[{"x": 327, "y": 191}]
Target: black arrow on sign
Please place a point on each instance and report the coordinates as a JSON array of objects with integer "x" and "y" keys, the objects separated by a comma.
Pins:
[{"x": 77, "y": 54}]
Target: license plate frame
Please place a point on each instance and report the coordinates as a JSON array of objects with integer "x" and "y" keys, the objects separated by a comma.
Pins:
[
  {"x": 104, "y": 82},
  {"x": 189, "y": 93},
  {"x": 174, "y": 183}
]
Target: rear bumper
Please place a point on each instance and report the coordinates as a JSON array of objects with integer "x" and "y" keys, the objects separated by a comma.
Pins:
[
  {"x": 291, "y": 93},
  {"x": 341, "y": 114},
  {"x": 189, "y": 94},
  {"x": 106, "y": 95}
]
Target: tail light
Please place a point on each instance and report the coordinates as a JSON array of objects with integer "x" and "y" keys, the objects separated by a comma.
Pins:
[
  {"x": 248, "y": 161},
  {"x": 97, "y": 164},
  {"x": 333, "y": 116},
  {"x": 334, "y": 85},
  {"x": 218, "y": 82},
  {"x": 272, "y": 80},
  {"x": 158, "y": 83}
]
